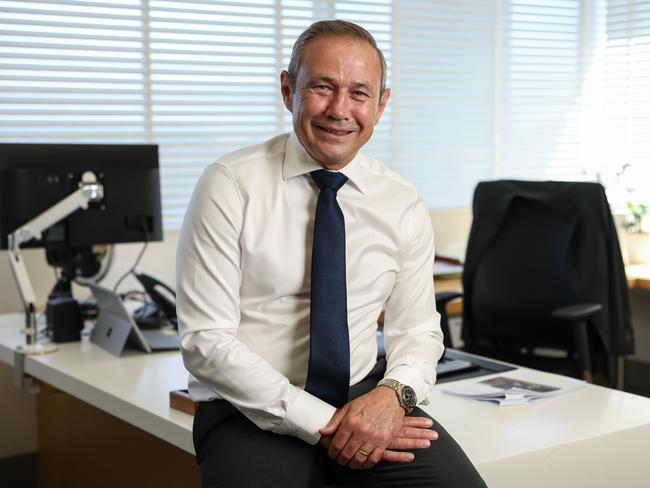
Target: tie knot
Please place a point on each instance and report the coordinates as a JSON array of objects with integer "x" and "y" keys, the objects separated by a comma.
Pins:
[{"x": 329, "y": 179}]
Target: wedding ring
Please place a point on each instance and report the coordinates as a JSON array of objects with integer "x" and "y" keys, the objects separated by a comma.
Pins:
[{"x": 363, "y": 453}]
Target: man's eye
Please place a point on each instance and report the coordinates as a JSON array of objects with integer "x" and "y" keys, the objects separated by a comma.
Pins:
[
  {"x": 322, "y": 88},
  {"x": 360, "y": 94}
]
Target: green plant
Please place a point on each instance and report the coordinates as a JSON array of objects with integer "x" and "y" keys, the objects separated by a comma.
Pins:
[{"x": 637, "y": 212}]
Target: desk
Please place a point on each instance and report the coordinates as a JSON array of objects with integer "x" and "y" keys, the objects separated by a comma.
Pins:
[
  {"x": 593, "y": 437},
  {"x": 638, "y": 276},
  {"x": 450, "y": 283}
]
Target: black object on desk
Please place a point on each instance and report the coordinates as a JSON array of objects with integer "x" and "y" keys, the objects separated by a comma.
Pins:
[
  {"x": 479, "y": 366},
  {"x": 455, "y": 365},
  {"x": 162, "y": 309},
  {"x": 64, "y": 319}
]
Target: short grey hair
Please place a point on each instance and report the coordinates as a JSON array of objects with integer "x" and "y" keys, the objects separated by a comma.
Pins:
[{"x": 332, "y": 28}]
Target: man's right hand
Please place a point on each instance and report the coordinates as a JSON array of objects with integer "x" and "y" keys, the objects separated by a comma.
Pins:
[{"x": 416, "y": 433}]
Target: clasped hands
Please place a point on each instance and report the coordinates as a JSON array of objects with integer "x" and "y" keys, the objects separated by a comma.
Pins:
[{"x": 374, "y": 428}]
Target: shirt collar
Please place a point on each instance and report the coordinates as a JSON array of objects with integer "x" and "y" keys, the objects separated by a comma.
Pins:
[{"x": 298, "y": 162}]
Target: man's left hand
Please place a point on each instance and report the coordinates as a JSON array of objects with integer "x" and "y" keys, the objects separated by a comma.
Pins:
[{"x": 367, "y": 424}]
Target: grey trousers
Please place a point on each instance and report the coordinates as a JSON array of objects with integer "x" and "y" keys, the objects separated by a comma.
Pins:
[{"x": 234, "y": 452}]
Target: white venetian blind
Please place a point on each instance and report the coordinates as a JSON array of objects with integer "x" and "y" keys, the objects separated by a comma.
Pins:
[
  {"x": 443, "y": 74},
  {"x": 72, "y": 71},
  {"x": 200, "y": 78},
  {"x": 627, "y": 96},
  {"x": 540, "y": 126},
  {"x": 482, "y": 89},
  {"x": 214, "y": 86}
]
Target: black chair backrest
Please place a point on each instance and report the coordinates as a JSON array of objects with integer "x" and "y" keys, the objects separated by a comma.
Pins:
[
  {"x": 535, "y": 246},
  {"x": 524, "y": 272}
]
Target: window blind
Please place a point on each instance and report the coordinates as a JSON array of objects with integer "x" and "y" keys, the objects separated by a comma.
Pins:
[
  {"x": 444, "y": 53},
  {"x": 200, "y": 78},
  {"x": 214, "y": 87},
  {"x": 495, "y": 90},
  {"x": 540, "y": 130},
  {"x": 72, "y": 72},
  {"x": 627, "y": 99},
  {"x": 502, "y": 89}
]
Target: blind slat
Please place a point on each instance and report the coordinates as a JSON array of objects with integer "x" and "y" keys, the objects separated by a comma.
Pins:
[{"x": 481, "y": 89}]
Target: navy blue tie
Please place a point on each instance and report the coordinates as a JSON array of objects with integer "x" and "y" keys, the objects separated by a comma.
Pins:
[{"x": 328, "y": 376}]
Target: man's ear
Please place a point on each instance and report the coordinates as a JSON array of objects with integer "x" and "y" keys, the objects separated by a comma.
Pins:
[
  {"x": 285, "y": 89},
  {"x": 382, "y": 104}
]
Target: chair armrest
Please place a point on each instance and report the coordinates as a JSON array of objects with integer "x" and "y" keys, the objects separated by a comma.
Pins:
[
  {"x": 578, "y": 314},
  {"x": 579, "y": 311},
  {"x": 442, "y": 297}
]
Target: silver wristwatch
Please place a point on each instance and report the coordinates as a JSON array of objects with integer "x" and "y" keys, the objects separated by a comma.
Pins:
[{"x": 405, "y": 394}]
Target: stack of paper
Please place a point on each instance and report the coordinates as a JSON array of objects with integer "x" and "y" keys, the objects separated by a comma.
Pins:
[{"x": 513, "y": 389}]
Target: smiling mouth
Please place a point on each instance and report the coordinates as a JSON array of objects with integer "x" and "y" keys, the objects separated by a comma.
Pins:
[{"x": 335, "y": 132}]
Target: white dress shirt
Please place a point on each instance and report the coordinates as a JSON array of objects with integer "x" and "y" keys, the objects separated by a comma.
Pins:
[{"x": 243, "y": 268}]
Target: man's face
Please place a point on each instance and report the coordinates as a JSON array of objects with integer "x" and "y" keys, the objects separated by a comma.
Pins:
[{"x": 336, "y": 101}]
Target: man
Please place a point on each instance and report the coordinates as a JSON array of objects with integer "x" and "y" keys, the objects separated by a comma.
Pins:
[{"x": 288, "y": 252}]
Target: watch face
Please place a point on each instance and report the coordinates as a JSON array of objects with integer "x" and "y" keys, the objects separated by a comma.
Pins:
[{"x": 408, "y": 396}]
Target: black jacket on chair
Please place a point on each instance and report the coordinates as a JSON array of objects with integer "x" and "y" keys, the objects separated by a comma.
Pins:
[{"x": 536, "y": 246}]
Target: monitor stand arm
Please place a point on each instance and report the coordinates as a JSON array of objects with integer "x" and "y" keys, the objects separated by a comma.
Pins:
[{"x": 89, "y": 191}]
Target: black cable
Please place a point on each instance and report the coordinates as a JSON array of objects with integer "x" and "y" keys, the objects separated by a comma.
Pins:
[
  {"x": 136, "y": 295},
  {"x": 137, "y": 261},
  {"x": 107, "y": 263}
]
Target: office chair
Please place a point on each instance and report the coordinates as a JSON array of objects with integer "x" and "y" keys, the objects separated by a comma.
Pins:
[{"x": 543, "y": 269}]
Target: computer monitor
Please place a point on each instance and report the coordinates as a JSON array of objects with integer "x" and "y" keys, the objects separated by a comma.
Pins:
[{"x": 34, "y": 177}]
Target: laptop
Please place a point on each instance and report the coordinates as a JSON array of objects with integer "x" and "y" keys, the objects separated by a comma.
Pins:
[
  {"x": 448, "y": 366},
  {"x": 115, "y": 327}
]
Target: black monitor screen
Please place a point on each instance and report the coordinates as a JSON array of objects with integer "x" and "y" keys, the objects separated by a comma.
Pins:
[{"x": 34, "y": 177}]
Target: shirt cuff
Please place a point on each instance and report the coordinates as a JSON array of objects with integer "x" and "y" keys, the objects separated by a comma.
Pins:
[
  {"x": 305, "y": 417},
  {"x": 407, "y": 376}
]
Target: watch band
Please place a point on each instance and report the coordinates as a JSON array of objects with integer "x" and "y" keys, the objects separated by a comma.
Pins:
[{"x": 405, "y": 394}]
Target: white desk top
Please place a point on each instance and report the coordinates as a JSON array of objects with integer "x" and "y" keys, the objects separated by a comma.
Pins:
[
  {"x": 598, "y": 432},
  {"x": 595, "y": 433}
]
